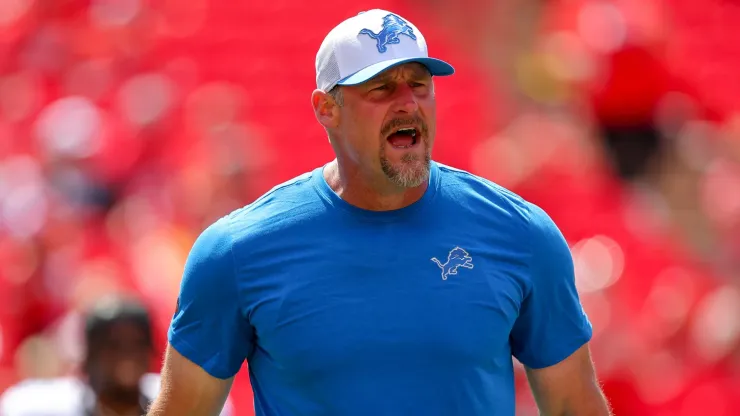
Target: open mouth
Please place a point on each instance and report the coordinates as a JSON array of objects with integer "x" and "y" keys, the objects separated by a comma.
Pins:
[{"x": 404, "y": 138}]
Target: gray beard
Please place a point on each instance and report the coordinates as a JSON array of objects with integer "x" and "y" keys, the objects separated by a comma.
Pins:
[{"x": 412, "y": 171}]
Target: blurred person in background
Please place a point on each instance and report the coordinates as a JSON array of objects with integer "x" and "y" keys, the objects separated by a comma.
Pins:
[
  {"x": 114, "y": 379},
  {"x": 382, "y": 283}
]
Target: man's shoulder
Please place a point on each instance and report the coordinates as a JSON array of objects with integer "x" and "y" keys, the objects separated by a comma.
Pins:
[
  {"x": 465, "y": 185},
  {"x": 35, "y": 397},
  {"x": 287, "y": 205},
  {"x": 283, "y": 199}
]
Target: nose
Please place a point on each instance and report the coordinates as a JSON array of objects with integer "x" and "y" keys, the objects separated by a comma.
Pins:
[{"x": 405, "y": 100}]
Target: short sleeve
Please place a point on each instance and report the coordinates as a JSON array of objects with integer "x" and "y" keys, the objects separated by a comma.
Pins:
[
  {"x": 208, "y": 326},
  {"x": 552, "y": 324}
]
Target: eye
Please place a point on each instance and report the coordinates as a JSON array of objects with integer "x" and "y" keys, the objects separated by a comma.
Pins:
[{"x": 380, "y": 88}]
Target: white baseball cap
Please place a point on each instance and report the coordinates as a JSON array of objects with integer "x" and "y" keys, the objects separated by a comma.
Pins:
[{"x": 365, "y": 45}]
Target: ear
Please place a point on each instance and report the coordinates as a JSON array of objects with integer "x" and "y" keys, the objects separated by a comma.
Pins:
[{"x": 325, "y": 109}]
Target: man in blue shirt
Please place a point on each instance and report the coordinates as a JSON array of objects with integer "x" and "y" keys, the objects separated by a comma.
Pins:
[{"x": 382, "y": 283}]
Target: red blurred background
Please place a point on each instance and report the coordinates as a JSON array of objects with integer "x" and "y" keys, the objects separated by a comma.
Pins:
[{"x": 127, "y": 126}]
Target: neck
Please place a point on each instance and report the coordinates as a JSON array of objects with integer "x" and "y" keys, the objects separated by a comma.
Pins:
[
  {"x": 118, "y": 405},
  {"x": 372, "y": 194}
]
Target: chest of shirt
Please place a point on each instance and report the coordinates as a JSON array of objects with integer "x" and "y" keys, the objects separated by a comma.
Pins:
[{"x": 388, "y": 295}]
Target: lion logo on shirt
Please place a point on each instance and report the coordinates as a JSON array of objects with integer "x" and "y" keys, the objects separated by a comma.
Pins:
[{"x": 455, "y": 259}]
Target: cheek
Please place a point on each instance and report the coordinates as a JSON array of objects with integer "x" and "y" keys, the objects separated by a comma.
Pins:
[
  {"x": 428, "y": 106},
  {"x": 429, "y": 112},
  {"x": 364, "y": 131}
]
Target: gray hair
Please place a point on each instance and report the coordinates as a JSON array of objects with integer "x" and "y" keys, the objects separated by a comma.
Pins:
[{"x": 336, "y": 94}]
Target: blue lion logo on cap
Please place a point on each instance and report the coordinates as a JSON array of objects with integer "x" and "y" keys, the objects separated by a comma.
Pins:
[{"x": 393, "y": 27}]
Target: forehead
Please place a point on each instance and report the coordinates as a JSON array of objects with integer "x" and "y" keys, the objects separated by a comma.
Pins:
[{"x": 404, "y": 71}]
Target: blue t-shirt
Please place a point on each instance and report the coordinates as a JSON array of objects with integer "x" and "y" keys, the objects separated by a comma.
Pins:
[{"x": 342, "y": 311}]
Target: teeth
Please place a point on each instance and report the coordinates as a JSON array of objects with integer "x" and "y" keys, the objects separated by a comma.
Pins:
[{"x": 409, "y": 130}]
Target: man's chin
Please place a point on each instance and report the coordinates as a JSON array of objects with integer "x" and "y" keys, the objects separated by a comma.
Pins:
[{"x": 408, "y": 174}]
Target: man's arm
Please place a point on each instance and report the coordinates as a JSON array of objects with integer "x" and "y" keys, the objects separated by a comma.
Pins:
[
  {"x": 552, "y": 332},
  {"x": 187, "y": 389},
  {"x": 569, "y": 388},
  {"x": 209, "y": 336}
]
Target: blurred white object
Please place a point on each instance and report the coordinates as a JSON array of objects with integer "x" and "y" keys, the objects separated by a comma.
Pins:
[
  {"x": 66, "y": 396},
  {"x": 71, "y": 127}
]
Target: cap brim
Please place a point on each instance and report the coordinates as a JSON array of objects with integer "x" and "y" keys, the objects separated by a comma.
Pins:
[{"x": 435, "y": 66}]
